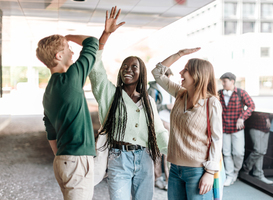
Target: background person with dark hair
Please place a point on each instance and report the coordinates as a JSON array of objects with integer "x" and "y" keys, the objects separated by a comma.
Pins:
[
  {"x": 233, "y": 100},
  {"x": 259, "y": 124}
]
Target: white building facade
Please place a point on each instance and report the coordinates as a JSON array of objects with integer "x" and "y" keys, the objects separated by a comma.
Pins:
[{"x": 237, "y": 36}]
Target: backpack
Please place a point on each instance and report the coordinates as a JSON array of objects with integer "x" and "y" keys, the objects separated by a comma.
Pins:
[{"x": 156, "y": 95}]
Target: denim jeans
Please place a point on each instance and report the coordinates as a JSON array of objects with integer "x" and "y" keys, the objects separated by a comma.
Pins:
[
  {"x": 130, "y": 173},
  {"x": 184, "y": 183}
]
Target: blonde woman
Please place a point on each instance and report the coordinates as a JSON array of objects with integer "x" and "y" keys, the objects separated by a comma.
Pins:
[{"x": 193, "y": 163}]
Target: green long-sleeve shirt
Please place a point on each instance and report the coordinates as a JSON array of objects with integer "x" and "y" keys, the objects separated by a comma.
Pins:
[{"x": 67, "y": 118}]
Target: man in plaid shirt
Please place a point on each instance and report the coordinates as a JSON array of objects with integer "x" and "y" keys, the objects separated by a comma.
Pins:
[
  {"x": 233, "y": 101},
  {"x": 259, "y": 124}
]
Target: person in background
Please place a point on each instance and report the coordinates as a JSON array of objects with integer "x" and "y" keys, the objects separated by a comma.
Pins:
[
  {"x": 164, "y": 102},
  {"x": 259, "y": 124},
  {"x": 67, "y": 119},
  {"x": 233, "y": 100},
  {"x": 136, "y": 135},
  {"x": 193, "y": 163}
]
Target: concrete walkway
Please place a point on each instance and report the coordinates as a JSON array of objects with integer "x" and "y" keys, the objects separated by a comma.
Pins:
[
  {"x": 26, "y": 167},
  {"x": 26, "y": 163}
]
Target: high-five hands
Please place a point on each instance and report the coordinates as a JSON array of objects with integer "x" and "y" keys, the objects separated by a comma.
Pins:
[
  {"x": 110, "y": 22},
  {"x": 184, "y": 52}
]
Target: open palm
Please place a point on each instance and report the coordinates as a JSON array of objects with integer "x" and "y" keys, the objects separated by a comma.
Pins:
[
  {"x": 188, "y": 51},
  {"x": 110, "y": 23}
]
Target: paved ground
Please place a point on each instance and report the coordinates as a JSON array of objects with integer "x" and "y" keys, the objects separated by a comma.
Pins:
[
  {"x": 26, "y": 171},
  {"x": 26, "y": 166},
  {"x": 26, "y": 163}
]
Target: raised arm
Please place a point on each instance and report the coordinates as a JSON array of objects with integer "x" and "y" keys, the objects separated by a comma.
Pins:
[
  {"x": 160, "y": 69},
  {"x": 174, "y": 57},
  {"x": 78, "y": 39},
  {"x": 102, "y": 88},
  {"x": 110, "y": 26}
]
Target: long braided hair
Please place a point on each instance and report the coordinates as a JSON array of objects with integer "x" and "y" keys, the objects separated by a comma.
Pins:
[{"x": 115, "y": 128}]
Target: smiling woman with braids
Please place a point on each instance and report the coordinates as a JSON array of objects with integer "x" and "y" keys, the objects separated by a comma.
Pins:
[{"x": 136, "y": 135}]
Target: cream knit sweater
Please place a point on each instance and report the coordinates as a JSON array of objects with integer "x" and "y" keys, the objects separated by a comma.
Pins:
[{"x": 188, "y": 134}]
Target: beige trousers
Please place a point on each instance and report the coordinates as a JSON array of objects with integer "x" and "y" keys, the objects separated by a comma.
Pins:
[{"x": 75, "y": 175}]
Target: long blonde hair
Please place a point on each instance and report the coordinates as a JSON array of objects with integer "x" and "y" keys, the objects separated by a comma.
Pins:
[{"x": 202, "y": 73}]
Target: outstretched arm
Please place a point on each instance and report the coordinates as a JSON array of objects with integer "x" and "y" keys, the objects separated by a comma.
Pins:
[
  {"x": 159, "y": 71},
  {"x": 174, "y": 57},
  {"x": 110, "y": 26}
]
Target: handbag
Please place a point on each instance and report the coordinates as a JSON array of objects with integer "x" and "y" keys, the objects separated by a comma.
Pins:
[
  {"x": 220, "y": 176},
  {"x": 101, "y": 160}
]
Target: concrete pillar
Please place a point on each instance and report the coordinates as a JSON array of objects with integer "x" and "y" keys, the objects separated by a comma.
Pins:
[{"x": 1, "y": 75}]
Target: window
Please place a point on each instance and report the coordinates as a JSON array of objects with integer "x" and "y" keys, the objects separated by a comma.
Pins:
[
  {"x": 230, "y": 9},
  {"x": 266, "y": 85},
  {"x": 230, "y": 27},
  {"x": 266, "y": 27},
  {"x": 267, "y": 10},
  {"x": 265, "y": 52},
  {"x": 248, "y": 27},
  {"x": 248, "y": 10}
]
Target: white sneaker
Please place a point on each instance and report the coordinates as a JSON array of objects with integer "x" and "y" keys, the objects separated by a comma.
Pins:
[
  {"x": 234, "y": 178},
  {"x": 265, "y": 180},
  {"x": 229, "y": 181},
  {"x": 166, "y": 187},
  {"x": 159, "y": 183}
]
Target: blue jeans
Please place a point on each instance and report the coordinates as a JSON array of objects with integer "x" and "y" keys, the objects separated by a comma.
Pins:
[
  {"x": 184, "y": 183},
  {"x": 130, "y": 173}
]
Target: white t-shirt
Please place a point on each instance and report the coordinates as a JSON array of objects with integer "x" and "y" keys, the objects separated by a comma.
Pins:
[{"x": 227, "y": 95}]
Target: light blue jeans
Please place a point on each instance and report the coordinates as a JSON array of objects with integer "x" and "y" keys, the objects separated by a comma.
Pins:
[
  {"x": 184, "y": 183},
  {"x": 130, "y": 173}
]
